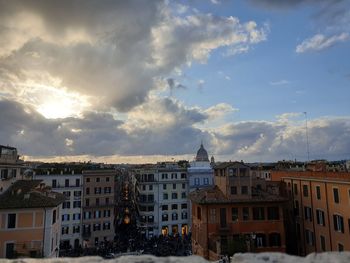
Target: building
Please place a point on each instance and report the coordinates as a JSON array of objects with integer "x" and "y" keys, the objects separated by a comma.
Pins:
[
  {"x": 66, "y": 179},
  {"x": 239, "y": 213},
  {"x": 30, "y": 220},
  {"x": 162, "y": 197},
  {"x": 98, "y": 206},
  {"x": 320, "y": 207},
  {"x": 200, "y": 172},
  {"x": 10, "y": 167}
]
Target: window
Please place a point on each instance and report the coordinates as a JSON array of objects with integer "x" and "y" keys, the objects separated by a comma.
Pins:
[
  {"x": 234, "y": 214},
  {"x": 206, "y": 181},
  {"x": 305, "y": 191},
  {"x": 244, "y": 190},
  {"x": 184, "y": 215},
  {"x": 107, "y": 179},
  {"x": 164, "y": 176},
  {"x": 273, "y": 213},
  {"x": 296, "y": 208},
  {"x": 107, "y": 201},
  {"x": 183, "y": 206},
  {"x": 258, "y": 213},
  {"x": 106, "y": 213},
  {"x": 150, "y": 187},
  {"x": 323, "y": 243},
  {"x": 196, "y": 181},
  {"x": 143, "y": 188},
  {"x": 97, "y": 201},
  {"x": 318, "y": 192},
  {"x": 309, "y": 236},
  {"x": 174, "y": 186},
  {"x": 77, "y": 193},
  {"x": 76, "y": 229},
  {"x": 199, "y": 213},
  {"x": 96, "y": 227},
  {"x": 164, "y": 207},
  {"x": 183, "y": 176},
  {"x": 66, "y": 205},
  {"x": 295, "y": 189},
  {"x": 87, "y": 190},
  {"x": 87, "y": 202},
  {"x": 174, "y": 216},
  {"x": 66, "y": 193},
  {"x": 183, "y": 186},
  {"x": 77, "y": 182},
  {"x": 54, "y": 183},
  {"x": 65, "y": 217},
  {"x": 165, "y": 196},
  {"x": 150, "y": 198},
  {"x": 164, "y": 186},
  {"x": 336, "y": 195},
  {"x": 338, "y": 222},
  {"x": 66, "y": 183},
  {"x": 65, "y": 230},
  {"x": 76, "y": 216},
  {"x": 165, "y": 217},
  {"x": 245, "y": 213},
  {"x": 308, "y": 213},
  {"x": 233, "y": 190},
  {"x": 212, "y": 215},
  {"x": 97, "y": 180},
  {"x": 320, "y": 217},
  {"x": 11, "y": 220},
  {"x": 183, "y": 195},
  {"x": 174, "y": 176},
  {"x": 88, "y": 180},
  {"x": 275, "y": 240},
  {"x": 150, "y": 219},
  {"x": 260, "y": 240},
  {"x": 87, "y": 215},
  {"x": 232, "y": 172},
  {"x": 340, "y": 247},
  {"x": 76, "y": 204},
  {"x": 174, "y": 196},
  {"x": 174, "y": 206},
  {"x": 97, "y": 190},
  {"x": 97, "y": 214}
]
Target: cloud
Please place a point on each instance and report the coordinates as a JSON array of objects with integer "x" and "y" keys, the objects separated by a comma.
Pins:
[
  {"x": 319, "y": 42},
  {"x": 279, "y": 82},
  {"x": 111, "y": 52},
  {"x": 166, "y": 127}
]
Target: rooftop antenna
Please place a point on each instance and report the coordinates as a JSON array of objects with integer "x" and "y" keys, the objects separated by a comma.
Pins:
[{"x": 307, "y": 138}]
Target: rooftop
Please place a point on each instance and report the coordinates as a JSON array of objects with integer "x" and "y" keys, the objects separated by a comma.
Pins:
[
  {"x": 29, "y": 194},
  {"x": 215, "y": 196}
]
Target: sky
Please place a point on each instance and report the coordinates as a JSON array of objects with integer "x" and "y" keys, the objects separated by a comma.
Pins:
[{"x": 144, "y": 81}]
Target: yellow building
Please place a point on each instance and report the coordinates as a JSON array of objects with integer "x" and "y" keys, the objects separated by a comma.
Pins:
[
  {"x": 29, "y": 220},
  {"x": 320, "y": 205}
]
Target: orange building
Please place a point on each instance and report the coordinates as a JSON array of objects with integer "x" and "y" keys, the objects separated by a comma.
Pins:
[
  {"x": 238, "y": 214},
  {"x": 29, "y": 220},
  {"x": 98, "y": 206},
  {"x": 321, "y": 209}
]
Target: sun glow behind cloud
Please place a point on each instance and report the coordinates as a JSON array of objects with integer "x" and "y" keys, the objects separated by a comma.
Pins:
[{"x": 59, "y": 103}]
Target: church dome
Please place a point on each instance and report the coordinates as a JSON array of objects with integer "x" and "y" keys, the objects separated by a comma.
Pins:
[{"x": 202, "y": 155}]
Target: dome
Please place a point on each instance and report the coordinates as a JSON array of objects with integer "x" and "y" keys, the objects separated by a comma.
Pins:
[{"x": 202, "y": 155}]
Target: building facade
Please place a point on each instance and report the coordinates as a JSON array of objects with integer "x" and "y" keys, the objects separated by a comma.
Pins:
[
  {"x": 162, "y": 197},
  {"x": 98, "y": 206},
  {"x": 320, "y": 209},
  {"x": 30, "y": 220},
  {"x": 237, "y": 213},
  {"x": 68, "y": 181},
  {"x": 10, "y": 167}
]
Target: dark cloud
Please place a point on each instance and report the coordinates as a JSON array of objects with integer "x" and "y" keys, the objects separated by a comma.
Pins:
[{"x": 100, "y": 134}]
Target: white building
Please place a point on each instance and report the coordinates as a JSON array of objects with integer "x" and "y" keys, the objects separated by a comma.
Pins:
[
  {"x": 200, "y": 172},
  {"x": 10, "y": 167},
  {"x": 68, "y": 182},
  {"x": 163, "y": 204}
]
